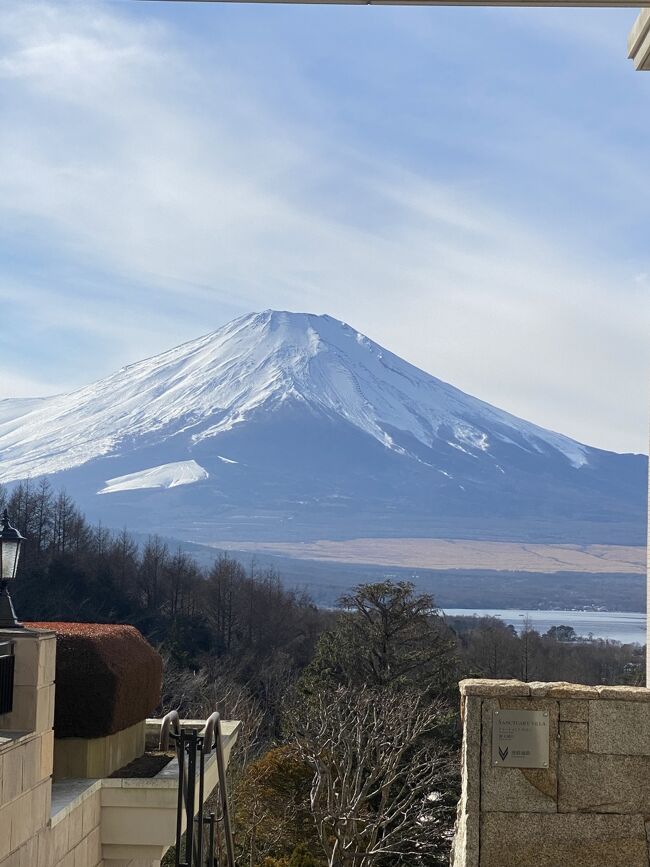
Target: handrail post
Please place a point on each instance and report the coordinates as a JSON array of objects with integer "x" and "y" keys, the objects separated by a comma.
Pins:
[
  {"x": 188, "y": 743},
  {"x": 199, "y": 815},
  {"x": 212, "y": 736},
  {"x": 189, "y": 802},
  {"x": 180, "y": 754},
  {"x": 221, "y": 766}
]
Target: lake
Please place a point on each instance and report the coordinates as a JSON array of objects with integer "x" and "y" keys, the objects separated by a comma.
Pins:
[{"x": 623, "y": 626}]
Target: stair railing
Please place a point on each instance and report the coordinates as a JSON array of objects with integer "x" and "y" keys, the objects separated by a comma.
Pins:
[{"x": 192, "y": 748}]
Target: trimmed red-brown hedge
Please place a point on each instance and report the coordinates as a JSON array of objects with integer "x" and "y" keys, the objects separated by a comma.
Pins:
[{"x": 107, "y": 678}]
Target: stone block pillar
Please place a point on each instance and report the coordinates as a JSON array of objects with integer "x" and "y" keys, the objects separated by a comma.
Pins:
[
  {"x": 33, "y": 707},
  {"x": 591, "y": 804},
  {"x": 26, "y": 749}
]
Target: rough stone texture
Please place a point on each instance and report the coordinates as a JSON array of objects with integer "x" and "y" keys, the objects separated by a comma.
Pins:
[
  {"x": 493, "y": 688},
  {"x": 537, "y": 840},
  {"x": 624, "y": 693},
  {"x": 592, "y": 783},
  {"x": 574, "y": 710},
  {"x": 465, "y": 851},
  {"x": 590, "y": 808},
  {"x": 518, "y": 789},
  {"x": 619, "y": 727},
  {"x": 574, "y": 737},
  {"x": 561, "y": 689}
]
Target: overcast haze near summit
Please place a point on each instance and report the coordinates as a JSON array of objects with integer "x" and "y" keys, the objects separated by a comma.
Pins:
[{"x": 468, "y": 187}]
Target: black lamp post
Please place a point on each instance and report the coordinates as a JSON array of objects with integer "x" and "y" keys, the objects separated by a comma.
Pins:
[{"x": 10, "y": 544}]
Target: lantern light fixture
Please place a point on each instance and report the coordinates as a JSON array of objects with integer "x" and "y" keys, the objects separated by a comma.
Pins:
[{"x": 10, "y": 544}]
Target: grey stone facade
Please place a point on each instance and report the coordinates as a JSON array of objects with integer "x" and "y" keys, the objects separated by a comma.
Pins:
[{"x": 589, "y": 808}]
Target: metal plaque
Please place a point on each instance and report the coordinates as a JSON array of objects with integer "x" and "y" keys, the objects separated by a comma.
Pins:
[{"x": 520, "y": 738}]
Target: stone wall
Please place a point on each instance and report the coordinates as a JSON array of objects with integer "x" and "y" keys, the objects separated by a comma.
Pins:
[
  {"x": 30, "y": 836},
  {"x": 26, "y": 741},
  {"x": 32, "y": 833},
  {"x": 95, "y": 758},
  {"x": 589, "y": 808},
  {"x": 73, "y": 838}
]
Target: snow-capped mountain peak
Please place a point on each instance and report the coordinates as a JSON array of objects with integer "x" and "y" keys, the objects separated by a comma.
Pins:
[
  {"x": 289, "y": 425},
  {"x": 254, "y": 365}
]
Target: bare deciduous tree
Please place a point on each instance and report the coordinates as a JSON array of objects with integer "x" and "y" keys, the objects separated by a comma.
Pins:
[
  {"x": 196, "y": 694},
  {"x": 380, "y": 776}
]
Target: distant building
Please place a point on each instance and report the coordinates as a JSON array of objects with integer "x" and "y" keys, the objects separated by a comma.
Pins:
[{"x": 639, "y": 42}]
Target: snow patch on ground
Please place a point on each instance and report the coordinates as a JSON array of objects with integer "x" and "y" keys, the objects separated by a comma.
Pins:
[
  {"x": 472, "y": 437},
  {"x": 164, "y": 476}
]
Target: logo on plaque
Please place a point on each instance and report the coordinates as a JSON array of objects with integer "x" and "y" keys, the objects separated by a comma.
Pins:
[{"x": 520, "y": 738}]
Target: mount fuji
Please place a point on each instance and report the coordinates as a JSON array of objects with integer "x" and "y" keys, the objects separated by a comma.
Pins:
[{"x": 296, "y": 426}]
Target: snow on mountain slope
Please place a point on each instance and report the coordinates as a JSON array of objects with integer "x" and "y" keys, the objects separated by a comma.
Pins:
[
  {"x": 257, "y": 363},
  {"x": 165, "y": 476},
  {"x": 14, "y": 407}
]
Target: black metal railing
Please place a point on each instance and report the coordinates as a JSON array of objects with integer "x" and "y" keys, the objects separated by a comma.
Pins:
[
  {"x": 207, "y": 841},
  {"x": 7, "y": 669}
]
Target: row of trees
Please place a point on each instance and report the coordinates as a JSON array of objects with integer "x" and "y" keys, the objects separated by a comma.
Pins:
[
  {"x": 487, "y": 647},
  {"x": 260, "y": 632}
]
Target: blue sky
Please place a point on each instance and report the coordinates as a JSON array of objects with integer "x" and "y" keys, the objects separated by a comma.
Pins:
[{"x": 469, "y": 187}]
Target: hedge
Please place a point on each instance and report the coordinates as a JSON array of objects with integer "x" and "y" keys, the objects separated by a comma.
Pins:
[{"x": 108, "y": 677}]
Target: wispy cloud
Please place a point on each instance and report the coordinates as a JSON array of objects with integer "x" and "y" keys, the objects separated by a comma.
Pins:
[{"x": 158, "y": 176}]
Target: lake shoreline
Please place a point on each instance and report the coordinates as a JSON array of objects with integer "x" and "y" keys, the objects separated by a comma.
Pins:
[{"x": 627, "y": 627}]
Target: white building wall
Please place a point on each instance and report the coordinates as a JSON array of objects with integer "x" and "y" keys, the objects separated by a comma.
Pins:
[{"x": 107, "y": 822}]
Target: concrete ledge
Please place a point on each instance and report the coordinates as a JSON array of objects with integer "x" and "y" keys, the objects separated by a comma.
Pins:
[
  {"x": 8, "y": 740},
  {"x": 555, "y": 689},
  {"x": 97, "y": 757},
  {"x": 624, "y": 693},
  {"x": 562, "y": 689},
  {"x": 228, "y": 727},
  {"x": 69, "y": 795},
  {"x": 493, "y": 688},
  {"x": 638, "y": 43},
  {"x": 139, "y": 815}
]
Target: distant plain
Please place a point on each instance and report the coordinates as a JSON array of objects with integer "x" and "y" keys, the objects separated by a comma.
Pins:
[{"x": 446, "y": 554}]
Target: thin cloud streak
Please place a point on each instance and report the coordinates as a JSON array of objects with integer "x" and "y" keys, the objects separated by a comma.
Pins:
[{"x": 178, "y": 195}]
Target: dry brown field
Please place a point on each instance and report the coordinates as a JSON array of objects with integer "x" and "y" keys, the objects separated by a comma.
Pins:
[{"x": 446, "y": 554}]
